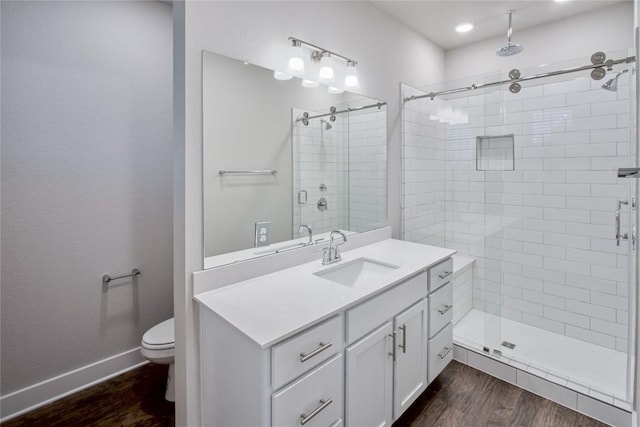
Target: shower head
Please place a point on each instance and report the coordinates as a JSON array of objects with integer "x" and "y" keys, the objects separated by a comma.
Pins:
[
  {"x": 612, "y": 84},
  {"x": 511, "y": 48},
  {"x": 327, "y": 125}
]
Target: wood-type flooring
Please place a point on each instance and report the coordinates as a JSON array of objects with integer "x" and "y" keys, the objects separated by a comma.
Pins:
[{"x": 460, "y": 396}]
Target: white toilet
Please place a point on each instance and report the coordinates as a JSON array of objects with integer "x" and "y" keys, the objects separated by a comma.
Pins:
[{"x": 158, "y": 346}]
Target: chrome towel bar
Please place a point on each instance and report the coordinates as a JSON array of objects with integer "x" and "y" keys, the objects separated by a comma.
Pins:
[
  {"x": 107, "y": 278},
  {"x": 248, "y": 172}
]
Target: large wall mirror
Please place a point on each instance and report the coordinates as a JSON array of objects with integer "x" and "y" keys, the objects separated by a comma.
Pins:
[{"x": 278, "y": 162}]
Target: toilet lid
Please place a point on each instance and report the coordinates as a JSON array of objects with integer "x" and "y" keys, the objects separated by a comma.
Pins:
[{"x": 161, "y": 335}]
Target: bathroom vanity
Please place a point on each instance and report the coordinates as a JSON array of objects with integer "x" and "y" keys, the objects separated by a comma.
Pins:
[{"x": 348, "y": 344}]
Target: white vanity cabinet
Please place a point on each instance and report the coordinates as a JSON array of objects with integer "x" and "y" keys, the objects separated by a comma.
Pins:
[
  {"x": 387, "y": 369},
  {"x": 440, "y": 318},
  {"x": 363, "y": 364},
  {"x": 369, "y": 379}
]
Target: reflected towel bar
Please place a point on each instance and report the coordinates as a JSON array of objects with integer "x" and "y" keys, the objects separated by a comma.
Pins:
[
  {"x": 249, "y": 172},
  {"x": 106, "y": 278}
]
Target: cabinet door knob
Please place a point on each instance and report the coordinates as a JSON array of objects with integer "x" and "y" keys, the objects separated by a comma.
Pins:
[
  {"x": 323, "y": 347},
  {"x": 304, "y": 418}
]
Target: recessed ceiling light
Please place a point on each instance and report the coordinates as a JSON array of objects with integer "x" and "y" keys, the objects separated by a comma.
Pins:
[
  {"x": 464, "y": 27},
  {"x": 561, "y": 1}
]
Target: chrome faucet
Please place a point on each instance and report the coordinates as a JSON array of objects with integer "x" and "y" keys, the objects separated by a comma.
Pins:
[
  {"x": 331, "y": 254},
  {"x": 309, "y": 232}
]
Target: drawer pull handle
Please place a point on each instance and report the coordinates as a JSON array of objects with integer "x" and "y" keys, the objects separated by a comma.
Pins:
[
  {"x": 403, "y": 346},
  {"x": 304, "y": 418},
  {"x": 323, "y": 347},
  {"x": 445, "y": 274},
  {"x": 393, "y": 345},
  {"x": 444, "y": 352},
  {"x": 445, "y": 308}
]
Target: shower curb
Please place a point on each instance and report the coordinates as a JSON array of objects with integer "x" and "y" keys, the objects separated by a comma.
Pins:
[{"x": 557, "y": 393}]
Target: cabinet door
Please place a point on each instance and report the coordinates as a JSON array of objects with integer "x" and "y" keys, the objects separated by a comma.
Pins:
[
  {"x": 369, "y": 374},
  {"x": 410, "y": 378}
]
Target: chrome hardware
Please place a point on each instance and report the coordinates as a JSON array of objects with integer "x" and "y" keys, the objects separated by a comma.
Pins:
[
  {"x": 107, "y": 278},
  {"x": 248, "y": 172},
  {"x": 302, "y": 197},
  {"x": 403, "y": 346},
  {"x": 331, "y": 254},
  {"x": 515, "y": 87},
  {"x": 598, "y": 58},
  {"x": 514, "y": 74},
  {"x": 323, "y": 347},
  {"x": 625, "y": 236},
  {"x": 598, "y": 73},
  {"x": 322, "y": 204},
  {"x": 446, "y": 351},
  {"x": 393, "y": 345},
  {"x": 304, "y": 418},
  {"x": 628, "y": 172},
  {"x": 323, "y": 187},
  {"x": 309, "y": 232},
  {"x": 445, "y": 308},
  {"x": 445, "y": 274}
]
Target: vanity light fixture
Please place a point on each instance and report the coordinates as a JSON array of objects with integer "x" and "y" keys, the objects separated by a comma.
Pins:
[
  {"x": 295, "y": 65},
  {"x": 464, "y": 27},
  {"x": 351, "y": 76},
  {"x": 326, "y": 73},
  {"x": 324, "y": 57}
]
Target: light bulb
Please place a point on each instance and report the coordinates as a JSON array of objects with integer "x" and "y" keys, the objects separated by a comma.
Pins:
[
  {"x": 295, "y": 65},
  {"x": 309, "y": 83},
  {"x": 279, "y": 75},
  {"x": 326, "y": 74},
  {"x": 351, "y": 77},
  {"x": 335, "y": 90}
]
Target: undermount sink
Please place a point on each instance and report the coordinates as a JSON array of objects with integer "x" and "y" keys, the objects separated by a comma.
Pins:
[{"x": 356, "y": 272}]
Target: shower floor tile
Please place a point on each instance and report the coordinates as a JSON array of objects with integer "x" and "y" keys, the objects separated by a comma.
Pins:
[{"x": 601, "y": 371}]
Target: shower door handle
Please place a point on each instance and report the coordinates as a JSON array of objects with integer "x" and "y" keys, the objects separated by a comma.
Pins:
[{"x": 625, "y": 236}]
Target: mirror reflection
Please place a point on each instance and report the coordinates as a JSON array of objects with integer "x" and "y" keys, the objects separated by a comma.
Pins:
[{"x": 285, "y": 164}]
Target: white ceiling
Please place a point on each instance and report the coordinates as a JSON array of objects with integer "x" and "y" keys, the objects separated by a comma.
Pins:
[{"x": 436, "y": 19}]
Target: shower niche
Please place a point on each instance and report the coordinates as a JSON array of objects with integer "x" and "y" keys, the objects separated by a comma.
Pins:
[{"x": 495, "y": 153}]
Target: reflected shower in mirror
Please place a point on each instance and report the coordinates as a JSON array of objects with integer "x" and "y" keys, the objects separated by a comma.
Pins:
[{"x": 281, "y": 169}]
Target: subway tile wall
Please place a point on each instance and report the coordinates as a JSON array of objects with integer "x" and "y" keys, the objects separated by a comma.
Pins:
[
  {"x": 542, "y": 235},
  {"x": 350, "y": 160}
]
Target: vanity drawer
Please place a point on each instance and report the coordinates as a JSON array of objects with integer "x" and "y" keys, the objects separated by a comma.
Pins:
[
  {"x": 370, "y": 314},
  {"x": 440, "y": 351},
  {"x": 440, "y": 308},
  {"x": 316, "y": 397},
  {"x": 440, "y": 274},
  {"x": 306, "y": 350}
]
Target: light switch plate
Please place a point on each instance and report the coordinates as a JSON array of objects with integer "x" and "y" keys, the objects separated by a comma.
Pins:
[{"x": 263, "y": 234}]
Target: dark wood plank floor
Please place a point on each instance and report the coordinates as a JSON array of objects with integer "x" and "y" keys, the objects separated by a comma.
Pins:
[
  {"x": 460, "y": 396},
  {"x": 135, "y": 398},
  {"x": 463, "y": 396}
]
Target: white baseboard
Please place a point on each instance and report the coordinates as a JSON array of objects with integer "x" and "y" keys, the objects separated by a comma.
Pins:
[{"x": 55, "y": 388}]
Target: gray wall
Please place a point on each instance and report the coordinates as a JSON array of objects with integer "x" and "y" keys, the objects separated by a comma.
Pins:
[{"x": 86, "y": 181}]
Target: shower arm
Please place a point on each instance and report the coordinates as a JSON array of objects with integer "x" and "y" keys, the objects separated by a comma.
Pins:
[{"x": 609, "y": 63}]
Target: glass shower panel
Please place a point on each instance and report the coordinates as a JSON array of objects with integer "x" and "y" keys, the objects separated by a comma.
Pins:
[{"x": 565, "y": 277}]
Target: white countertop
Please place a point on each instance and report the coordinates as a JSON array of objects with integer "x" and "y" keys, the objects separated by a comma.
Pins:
[{"x": 275, "y": 306}]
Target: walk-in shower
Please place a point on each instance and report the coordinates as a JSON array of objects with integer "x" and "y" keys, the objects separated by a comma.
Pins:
[{"x": 524, "y": 185}]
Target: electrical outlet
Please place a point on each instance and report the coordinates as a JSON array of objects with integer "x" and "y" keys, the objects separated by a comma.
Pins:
[{"x": 263, "y": 234}]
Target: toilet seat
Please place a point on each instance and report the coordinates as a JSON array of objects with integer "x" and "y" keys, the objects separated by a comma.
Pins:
[{"x": 160, "y": 337}]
